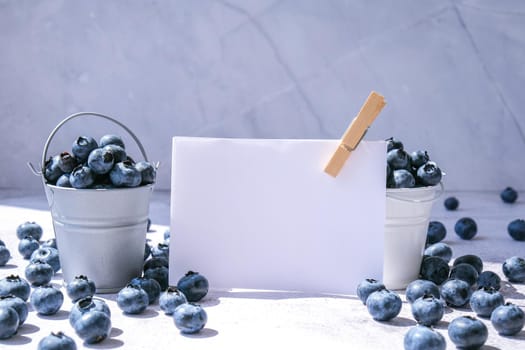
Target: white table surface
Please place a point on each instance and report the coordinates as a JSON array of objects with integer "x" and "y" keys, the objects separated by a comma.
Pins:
[{"x": 272, "y": 319}]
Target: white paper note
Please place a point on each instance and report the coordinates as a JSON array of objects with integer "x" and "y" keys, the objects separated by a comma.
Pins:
[{"x": 262, "y": 214}]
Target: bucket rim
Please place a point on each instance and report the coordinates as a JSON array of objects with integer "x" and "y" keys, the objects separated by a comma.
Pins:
[
  {"x": 400, "y": 193},
  {"x": 415, "y": 189}
]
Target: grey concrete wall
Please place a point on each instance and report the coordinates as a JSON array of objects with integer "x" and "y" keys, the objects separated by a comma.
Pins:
[{"x": 452, "y": 72}]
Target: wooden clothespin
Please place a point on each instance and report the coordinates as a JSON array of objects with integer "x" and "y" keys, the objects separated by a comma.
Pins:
[{"x": 355, "y": 132}]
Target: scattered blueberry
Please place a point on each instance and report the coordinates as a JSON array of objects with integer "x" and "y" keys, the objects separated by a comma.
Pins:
[
  {"x": 157, "y": 268},
  {"x": 46, "y": 300},
  {"x": 66, "y": 162},
  {"x": 401, "y": 178},
  {"x": 429, "y": 174},
  {"x": 516, "y": 229},
  {"x": 509, "y": 195},
  {"x": 147, "y": 250},
  {"x": 17, "y": 304},
  {"x": 514, "y": 269},
  {"x": 85, "y": 305},
  {"x": 27, "y": 245},
  {"x": 39, "y": 273},
  {"x": 489, "y": 279},
  {"x": 470, "y": 259},
  {"x": 150, "y": 286},
  {"x": 101, "y": 161},
  {"x": 16, "y": 286},
  {"x": 508, "y": 319},
  {"x": 456, "y": 293},
  {"x": 485, "y": 300},
  {"x": 148, "y": 227},
  {"x": 423, "y": 337},
  {"x": 124, "y": 174},
  {"x": 80, "y": 287},
  {"x": 467, "y": 332},
  {"x": 5, "y": 255},
  {"x": 436, "y": 232},
  {"x": 93, "y": 326},
  {"x": 57, "y": 341},
  {"x": 48, "y": 255},
  {"x": 82, "y": 177},
  {"x": 383, "y": 305},
  {"x": 132, "y": 299},
  {"x": 161, "y": 250},
  {"x": 419, "y": 288},
  {"x": 427, "y": 310},
  {"x": 434, "y": 269},
  {"x": 147, "y": 172},
  {"x": 441, "y": 250},
  {"x": 29, "y": 229},
  {"x": 451, "y": 203},
  {"x": 466, "y": 228},
  {"x": 189, "y": 318},
  {"x": 82, "y": 147},
  {"x": 193, "y": 285},
  {"x": 9, "y": 322},
  {"x": 367, "y": 287},
  {"x": 465, "y": 272},
  {"x": 170, "y": 299}
]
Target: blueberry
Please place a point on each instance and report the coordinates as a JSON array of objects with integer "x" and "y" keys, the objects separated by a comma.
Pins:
[
  {"x": 85, "y": 305},
  {"x": 427, "y": 310},
  {"x": 150, "y": 286},
  {"x": 82, "y": 147},
  {"x": 441, "y": 250},
  {"x": 419, "y": 288},
  {"x": 66, "y": 162},
  {"x": 516, "y": 229},
  {"x": 509, "y": 195},
  {"x": 46, "y": 300},
  {"x": 51, "y": 169},
  {"x": 101, "y": 160},
  {"x": 193, "y": 285},
  {"x": 17, "y": 304},
  {"x": 423, "y": 337},
  {"x": 159, "y": 274},
  {"x": 147, "y": 172},
  {"x": 9, "y": 322},
  {"x": 39, "y": 273},
  {"x": 124, "y": 174},
  {"x": 5, "y": 255},
  {"x": 367, "y": 287},
  {"x": 392, "y": 143},
  {"x": 27, "y": 245},
  {"x": 82, "y": 177},
  {"x": 418, "y": 158},
  {"x": 57, "y": 341},
  {"x": 148, "y": 227},
  {"x": 155, "y": 262},
  {"x": 167, "y": 234},
  {"x": 147, "y": 250},
  {"x": 508, "y": 319},
  {"x": 161, "y": 250},
  {"x": 111, "y": 140},
  {"x": 401, "y": 178},
  {"x": 434, "y": 269},
  {"x": 383, "y": 305},
  {"x": 465, "y": 272},
  {"x": 52, "y": 242},
  {"x": 467, "y": 332},
  {"x": 170, "y": 299},
  {"x": 80, "y": 287},
  {"x": 470, "y": 259},
  {"x": 489, "y": 279},
  {"x": 132, "y": 299},
  {"x": 485, "y": 300},
  {"x": 451, "y": 203},
  {"x": 456, "y": 293},
  {"x": 48, "y": 255},
  {"x": 436, "y": 232},
  {"x": 514, "y": 269},
  {"x": 29, "y": 228},
  {"x": 189, "y": 318},
  {"x": 429, "y": 174},
  {"x": 63, "y": 181},
  {"x": 93, "y": 326},
  {"x": 16, "y": 286},
  {"x": 466, "y": 228},
  {"x": 119, "y": 153},
  {"x": 398, "y": 159}
]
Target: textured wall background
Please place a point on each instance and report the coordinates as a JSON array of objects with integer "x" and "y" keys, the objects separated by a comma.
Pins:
[{"x": 452, "y": 72}]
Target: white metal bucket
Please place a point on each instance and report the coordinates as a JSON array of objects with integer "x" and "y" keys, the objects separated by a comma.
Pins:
[
  {"x": 100, "y": 233},
  {"x": 407, "y": 217}
]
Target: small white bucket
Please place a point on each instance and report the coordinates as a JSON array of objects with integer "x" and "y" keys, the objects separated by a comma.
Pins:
[
  {"x": 100, "y": 233},
  {"x": 407, "y": 217}
]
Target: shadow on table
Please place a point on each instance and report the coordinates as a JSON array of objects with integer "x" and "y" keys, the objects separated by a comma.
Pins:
[
  {"x": 203, "y": 333},
  {"x": 509, "y": 291},
  {"x": 273, "y": 294},
  {"x": 16, "y": 340}
]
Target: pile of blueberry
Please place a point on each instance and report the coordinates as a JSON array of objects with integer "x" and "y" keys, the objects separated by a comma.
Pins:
[
  {"x": 97, "y": 165},
  {"x": 407, "y": 170}
]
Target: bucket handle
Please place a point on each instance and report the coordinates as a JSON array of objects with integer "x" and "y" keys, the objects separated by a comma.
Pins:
[
  {"x": 76, "y": 115},
  {"x": 437, "y": 194}
]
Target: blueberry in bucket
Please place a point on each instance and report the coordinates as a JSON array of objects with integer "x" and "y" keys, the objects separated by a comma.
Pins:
[
  {"x": 82, "y": 147},
  {"x": 101, "y": 160},
  {"x": 401, "y": 178},
  {"x": 398, "y": 159},
  {"x": 124, "y": 174},
  {"x": 82, "y": 177},
  {"x": 429, "y": 174},
  {"x": 111, "y": 140}
]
